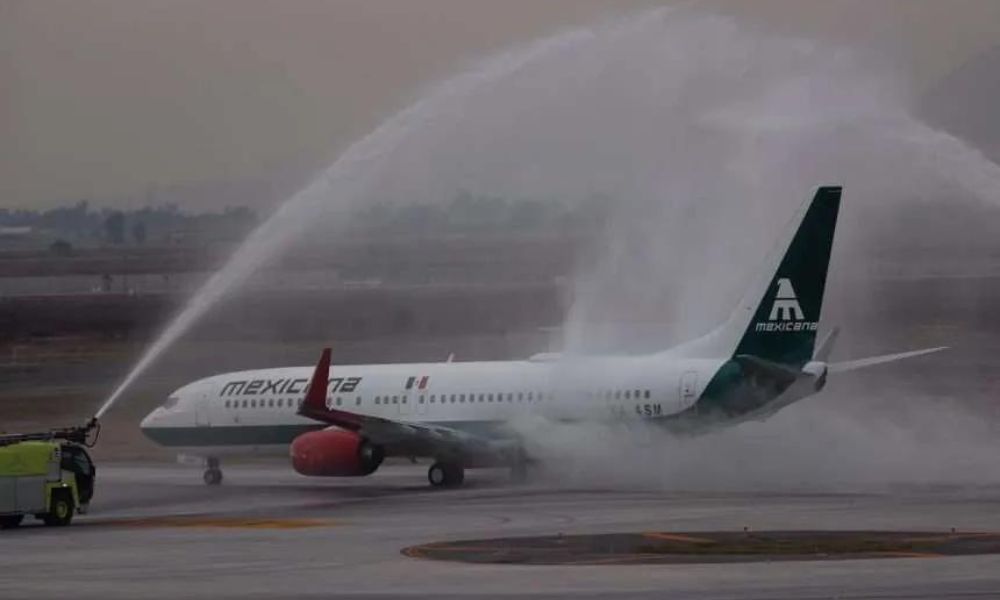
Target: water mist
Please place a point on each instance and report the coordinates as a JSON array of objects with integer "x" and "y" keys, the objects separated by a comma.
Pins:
[{"x": 704, "y": 135}]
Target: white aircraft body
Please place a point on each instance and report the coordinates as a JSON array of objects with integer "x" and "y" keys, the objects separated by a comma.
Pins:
[{"x": 460, "y": 414}]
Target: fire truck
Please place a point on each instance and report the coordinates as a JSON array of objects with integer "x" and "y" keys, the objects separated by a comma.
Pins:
[{"x": 48, "y": 475}]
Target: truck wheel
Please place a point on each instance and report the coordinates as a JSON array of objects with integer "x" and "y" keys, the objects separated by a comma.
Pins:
[
  {"x": 60, "y": 510},
  {"x": 10, "y": 521}
]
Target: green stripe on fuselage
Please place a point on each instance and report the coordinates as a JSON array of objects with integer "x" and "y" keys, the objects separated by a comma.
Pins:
[
  {"x": 244, "y": 435},
  {"x": 272, "y": 435}
]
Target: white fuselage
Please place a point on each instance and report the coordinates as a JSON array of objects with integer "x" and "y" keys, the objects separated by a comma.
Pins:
[
  {"x": 760, "y": 359},
  {"x": 255, "y": 411}
]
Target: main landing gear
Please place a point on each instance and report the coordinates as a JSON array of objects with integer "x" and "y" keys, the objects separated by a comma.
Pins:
[
  {"x": 446, "y": 474},
  {"x": 213, "y": 474},
  {"x": 519, "y": 473}
]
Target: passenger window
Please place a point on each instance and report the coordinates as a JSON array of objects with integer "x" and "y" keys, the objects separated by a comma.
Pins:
[
  {"x": 531, "y": 396},
  {"x": 357, "y": 401},
  {"x": 227, "y": 404},
  {"x": 395, "y": 399},
  {"x": 432, "y": 398},
  {"x": 338, "y": 400},
  {"x": 377, "y": 399},
  {"x": 520, "y": 396},
  {"x": 421, "y": 400},
  {"x": 618, "y": 395},
  {"x": 403, "y": 400},
  {"x": 637, "y": 395},
  {"x": 628, "y": 394},
  {"x": 647, "y": 394}
]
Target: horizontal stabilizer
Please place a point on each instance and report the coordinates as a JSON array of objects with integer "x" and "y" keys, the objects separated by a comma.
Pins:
[
  {"x": 861, "y": 363},
  {"x": 769, "y": 370}
]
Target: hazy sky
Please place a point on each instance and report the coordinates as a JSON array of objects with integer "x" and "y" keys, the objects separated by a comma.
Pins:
[{"x": 101, "y": 99}]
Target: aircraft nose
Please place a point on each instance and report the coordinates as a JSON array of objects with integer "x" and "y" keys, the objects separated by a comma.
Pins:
[{"x": 150, "y": 420}]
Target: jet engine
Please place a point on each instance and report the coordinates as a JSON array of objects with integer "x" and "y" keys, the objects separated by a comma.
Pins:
[{"x": 335, "y": 453}]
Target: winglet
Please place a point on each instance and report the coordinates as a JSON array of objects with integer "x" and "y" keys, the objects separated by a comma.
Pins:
[
  {"x": 314, "y": 404},
  {"x": 315, "y": 400}
]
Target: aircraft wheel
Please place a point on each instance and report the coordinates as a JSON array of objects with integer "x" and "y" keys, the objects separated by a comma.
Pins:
[
  {"x": 443, "y": 474},
  {"x": 213, "y": 476}
]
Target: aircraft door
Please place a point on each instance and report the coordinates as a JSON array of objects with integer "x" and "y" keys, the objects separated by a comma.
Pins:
[
  {"x": 201, "y": 414},
  {"x": 688, "y": 389}
]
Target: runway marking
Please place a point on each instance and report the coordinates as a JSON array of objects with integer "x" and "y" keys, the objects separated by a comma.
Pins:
[
  {"x": 205, "y": 522},
  {"x": 615, "y": 560}
]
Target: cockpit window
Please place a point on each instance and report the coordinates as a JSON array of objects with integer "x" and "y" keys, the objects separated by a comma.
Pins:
[{"x": 171, "y": 402}]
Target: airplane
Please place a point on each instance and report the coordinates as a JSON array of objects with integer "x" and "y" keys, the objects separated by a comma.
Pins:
[{"x": 462, "y": 415}]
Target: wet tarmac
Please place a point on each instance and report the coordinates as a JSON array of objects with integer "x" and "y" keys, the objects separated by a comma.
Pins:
[{"x": 156, "y": 531}]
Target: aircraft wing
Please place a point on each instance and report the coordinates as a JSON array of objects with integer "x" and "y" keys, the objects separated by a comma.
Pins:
[{"x": 401, "y": 437}]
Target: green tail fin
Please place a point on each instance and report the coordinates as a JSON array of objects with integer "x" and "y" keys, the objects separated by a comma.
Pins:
[{"x": 783, "y": 327}]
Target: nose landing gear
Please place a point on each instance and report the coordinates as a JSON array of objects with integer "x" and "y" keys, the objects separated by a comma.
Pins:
[{"x": 213, "y": 474}]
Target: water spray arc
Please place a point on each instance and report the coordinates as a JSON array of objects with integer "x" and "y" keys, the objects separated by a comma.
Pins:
[{"x": 342, "y": 183}]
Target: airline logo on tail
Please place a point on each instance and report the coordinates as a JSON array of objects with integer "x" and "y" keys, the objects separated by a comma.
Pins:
[{"x": 786, "y": 312}]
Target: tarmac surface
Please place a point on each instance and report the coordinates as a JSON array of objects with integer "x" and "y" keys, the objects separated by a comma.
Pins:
[{"x": 156, "y": 531}]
